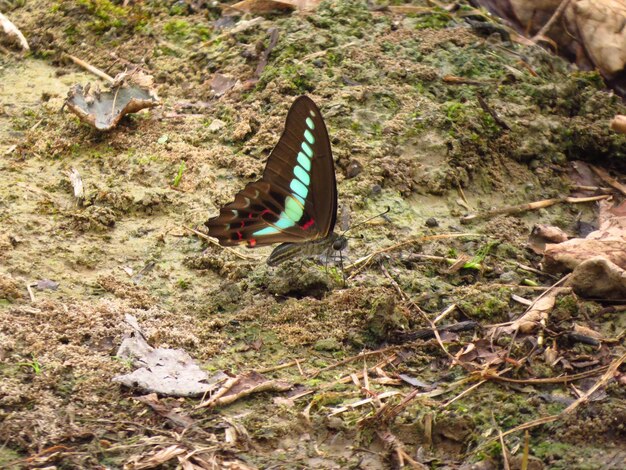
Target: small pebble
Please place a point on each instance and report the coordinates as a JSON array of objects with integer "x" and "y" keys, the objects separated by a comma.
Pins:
[
  {"x": 354, "y": 169},
  {"x": 432, "y": 222}
]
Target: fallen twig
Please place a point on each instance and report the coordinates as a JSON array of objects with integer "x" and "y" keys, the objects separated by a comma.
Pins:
[
  {"x": 557, "y": 14},
  {"x": 90, "y": 68},
  {"x": 31, "y": 294},
  {"x": 362, "y": 262},
  {"x": 352, "y": 359},
  {"x": 230, "y": 383},
  {"x": 608, "y": 179},
  {"x": 511, "y": 210},
  {"x": 213, "y": 242},
  {"x": 486, "y": 108}
]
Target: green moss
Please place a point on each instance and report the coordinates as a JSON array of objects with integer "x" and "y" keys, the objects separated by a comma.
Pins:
[
  {"x": 108, "y": 15},
  {"x": 491, "y": 306},
  {"x": 436, "y": 19}
]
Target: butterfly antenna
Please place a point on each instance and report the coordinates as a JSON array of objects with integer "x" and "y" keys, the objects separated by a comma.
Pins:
[{"x": 367, "y": 220}]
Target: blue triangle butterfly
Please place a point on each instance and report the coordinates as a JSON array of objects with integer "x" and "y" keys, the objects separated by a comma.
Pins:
[{"x": 295, "y": 201}]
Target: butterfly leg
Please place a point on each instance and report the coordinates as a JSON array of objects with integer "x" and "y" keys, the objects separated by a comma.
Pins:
[{"x": 343, "y": 272}]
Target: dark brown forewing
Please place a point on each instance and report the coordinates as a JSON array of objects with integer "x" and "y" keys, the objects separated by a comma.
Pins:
[
  {"x": 321, "y": 202},
  {"x": 259, "y": 204}
]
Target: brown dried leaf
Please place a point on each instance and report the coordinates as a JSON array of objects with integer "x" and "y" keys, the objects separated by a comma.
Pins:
[
  {"x": 537, "y": 312},
  {"x": 180, "y": 420},
  {"x": 249, "y": 383},
  {"x": 608, "y": 241},
  {"x": 221, "y": 84},
  {"x": 599, "y": 278},
  {"x": 267, "y": 6},
  {"x": 154, "y": 459}
]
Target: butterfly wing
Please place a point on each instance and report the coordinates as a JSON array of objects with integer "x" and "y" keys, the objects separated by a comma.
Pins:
[{"x": 296, "y": 199}]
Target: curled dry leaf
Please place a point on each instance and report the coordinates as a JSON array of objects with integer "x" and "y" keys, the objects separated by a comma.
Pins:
[
  {"x": 129, "y": 93},
  {"x": 249, "y": 383},
  {"x": 13, "y": 33},
  {"x": 608, "y": 241},
  {"x": 599, "y": 278},
  {"x": 590, "y": 32},
  {"x": 542, "y": 234},
  {"x": 535, "y": 314}
]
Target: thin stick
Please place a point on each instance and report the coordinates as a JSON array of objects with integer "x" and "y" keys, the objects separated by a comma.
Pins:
[
  {"x": 422, "y": 314},
  {"x": 608, "y": 375},
  {"x": 91, "y": 68},
  {"x": 30, "y": 292},
  {"x": 557, "y": 14},
  {"x": 505, "y": 451},
  {"x": 213, "y": 242},
  {"x": 230, "y": 383},
  {"x": 425, "y": 238},
  {"x": 445, "y": 313},
  {"x": 351, "y": 359},
  {"x": 608, "y": 179},
  {"x": 282, "y": 366},
  {"x": 549, "y": 380},
  {"x": 582, "y": 187},
  {"x": 463, "y": 393},
  {"x": 511, "y": 210}
]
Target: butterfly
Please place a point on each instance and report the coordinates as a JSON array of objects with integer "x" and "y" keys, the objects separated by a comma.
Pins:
[{"x": 295, "y": 201}]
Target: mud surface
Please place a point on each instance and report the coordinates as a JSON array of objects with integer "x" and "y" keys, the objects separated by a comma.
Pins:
[{"x": 399, "y": 96}]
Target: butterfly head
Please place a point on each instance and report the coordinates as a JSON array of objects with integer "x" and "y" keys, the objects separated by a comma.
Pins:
[{"x": 339, "y": 243}]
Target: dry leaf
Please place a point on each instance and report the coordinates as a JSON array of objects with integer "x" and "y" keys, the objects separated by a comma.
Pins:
[
  {"x": 104, "y": 110},
  {"x": 599, "y": 278},
  {"x": 165, "y": 371},
  {"x": 608, "y": 241},
  {"x": 267, "y": 6},
  {"x": 12, "y": 32}
]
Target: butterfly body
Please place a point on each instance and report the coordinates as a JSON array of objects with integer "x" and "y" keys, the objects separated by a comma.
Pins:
[
  {"x": 312, "y": 249},
  {"x": 295, "y": 201}
]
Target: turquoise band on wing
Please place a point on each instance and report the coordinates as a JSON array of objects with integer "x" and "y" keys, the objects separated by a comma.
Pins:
[
  {"x": 294, "y": 203},
  {"x": 304, "y": 161},
  {"x": 307, "y": 149},
  {"x": 302, "y": 175}
]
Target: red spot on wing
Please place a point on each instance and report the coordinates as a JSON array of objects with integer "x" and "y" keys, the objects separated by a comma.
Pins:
[
  {"x": 265, "y": 211},
  {"x": 239, "y": 235},
  {"x": 251, "y": 242},
  {"x": 308, "y": 223},
  {"x": 243, "y": 223}
]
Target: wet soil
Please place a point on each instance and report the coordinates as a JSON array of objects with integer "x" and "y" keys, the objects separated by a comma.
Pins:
[{"x": 399, "y": 96}]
